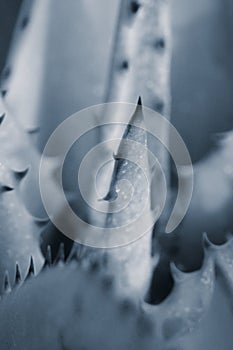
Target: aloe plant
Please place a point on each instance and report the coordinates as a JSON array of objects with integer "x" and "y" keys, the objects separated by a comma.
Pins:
[
  {"x": 110, "y": 298},
  {"x": 162, "y": 325}
]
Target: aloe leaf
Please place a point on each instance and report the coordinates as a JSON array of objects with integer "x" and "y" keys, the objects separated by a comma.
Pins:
[{"x": 94, "y": 315}]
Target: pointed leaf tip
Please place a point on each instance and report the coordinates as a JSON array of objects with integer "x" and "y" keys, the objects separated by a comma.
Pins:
[
  {"x": 137, "y": 116},
  {"x": 139, "y": 101},
  {"x": 124, "y": 169}
]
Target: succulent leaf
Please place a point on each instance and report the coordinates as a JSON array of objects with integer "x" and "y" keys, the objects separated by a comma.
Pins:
[
  {"x": 94, "y": 315},
  {"x": 131, "y": 166}
]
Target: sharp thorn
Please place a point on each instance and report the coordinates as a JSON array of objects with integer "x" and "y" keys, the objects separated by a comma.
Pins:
[
  {"x": 110, "y": 197},
  {"x": 18, "y": 278},
  {"x": 116, "y": 157},
  {"x": 136, "y": 119},
  {"x": 2, "y": 117},
  {"x": 138, "y": 114},
  {"x": 33, "y": 131},
  {"x": 177, "y": 274},
  {"x": 134, "y": 6},
  {"x": 4, "y": 92},
  {"x": 77, "y": 253},
  {"x": 48, "y": 257},
  {"x": 6, "y": 283},
  {"x": 73, "y": 255},
  {"x": 105, "y": 199},
  {"x": 139, "y": 101},
  {"x": 6, "y": 188},
  {"x": 207, "y": 244},
  {"x": 60, "y": 258},
  {"x": 31, "y": 270},
  {"x": 82, "y": 252},
  {"x": 20, "y": 175}
]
